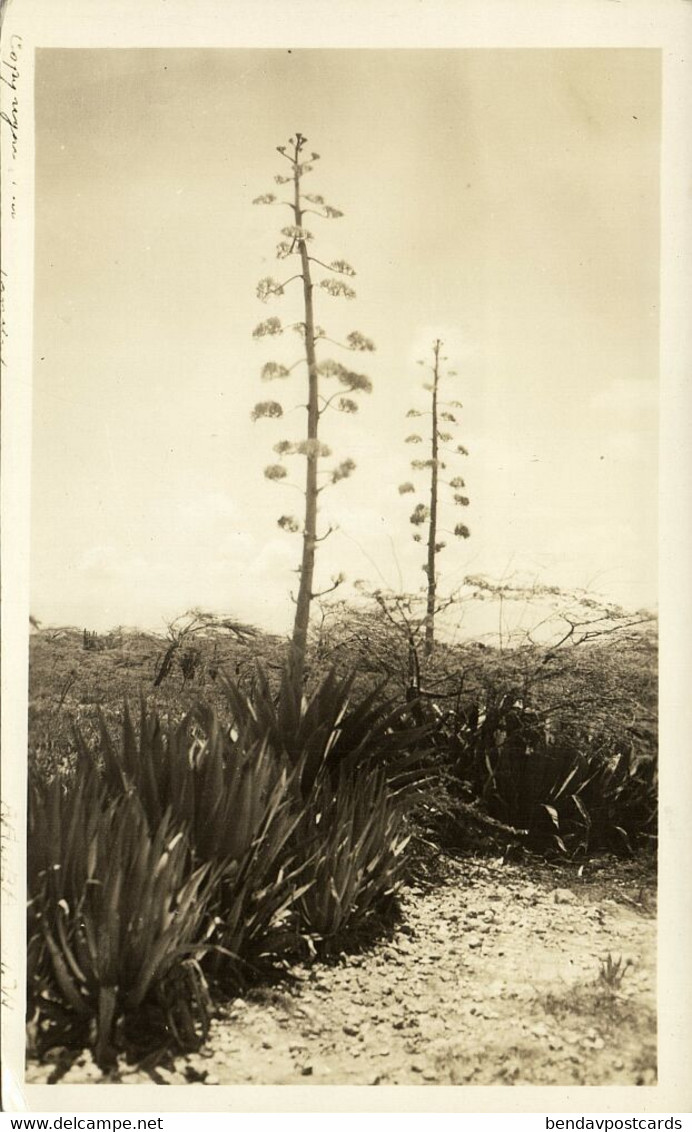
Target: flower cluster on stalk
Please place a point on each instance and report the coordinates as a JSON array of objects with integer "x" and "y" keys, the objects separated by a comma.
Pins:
[
  {"x": 441, "y": 411},
  {"x": 295, "y": 247}
]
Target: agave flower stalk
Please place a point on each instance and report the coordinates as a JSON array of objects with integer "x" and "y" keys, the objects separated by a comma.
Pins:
[
  {"x": 295, "y": 245},
  {"x": 442, "y": 417}
]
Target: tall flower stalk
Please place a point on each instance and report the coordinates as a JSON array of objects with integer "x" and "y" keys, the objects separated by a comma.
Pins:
[
  {"x": 295, "y": 246},
  {"x": 428, "y": 514}
]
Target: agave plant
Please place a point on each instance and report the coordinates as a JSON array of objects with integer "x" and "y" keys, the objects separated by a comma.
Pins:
[
  {"x": 567, "y": 796},
  {"x": 217, "y": 790},
  {"x": 356, "y": 836},
  {"x": 326, "y": 730},
  {"x": 621, "y": 800},
  {"x": 114, "y": 907},
  {"x": 254, "y": 904},
  {"x": 235, "y": 802}
]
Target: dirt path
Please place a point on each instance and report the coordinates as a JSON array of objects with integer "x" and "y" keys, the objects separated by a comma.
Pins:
[{"x": 492, "y": 978}]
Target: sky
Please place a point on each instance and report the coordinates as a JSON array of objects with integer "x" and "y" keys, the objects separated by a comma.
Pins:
[{"x": 506, "y": 201}]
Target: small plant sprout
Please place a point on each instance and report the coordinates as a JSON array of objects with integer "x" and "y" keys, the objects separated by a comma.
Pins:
[
  {"x": 312, "y": 275},
  {"x": 612, "y": 972},
  {"x": 425, "y": 517}
]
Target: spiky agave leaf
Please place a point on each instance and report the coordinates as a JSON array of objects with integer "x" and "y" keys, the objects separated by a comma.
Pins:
[
  {"x": 356, "y": 836},
  {"x": 115, "y": 901},
  {"x": 326, "y": 728}
]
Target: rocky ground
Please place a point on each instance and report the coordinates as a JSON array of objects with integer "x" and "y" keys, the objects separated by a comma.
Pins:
[{"x": 499, "y": 975}]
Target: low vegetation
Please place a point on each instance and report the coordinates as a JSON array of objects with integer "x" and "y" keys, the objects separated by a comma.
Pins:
[{"x": 231, "y": 823}]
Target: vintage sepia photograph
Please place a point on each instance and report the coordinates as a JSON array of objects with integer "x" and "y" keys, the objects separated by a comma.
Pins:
[
  {"x": 342, "y": 430},
  {"x": 342, "y": 759}
]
